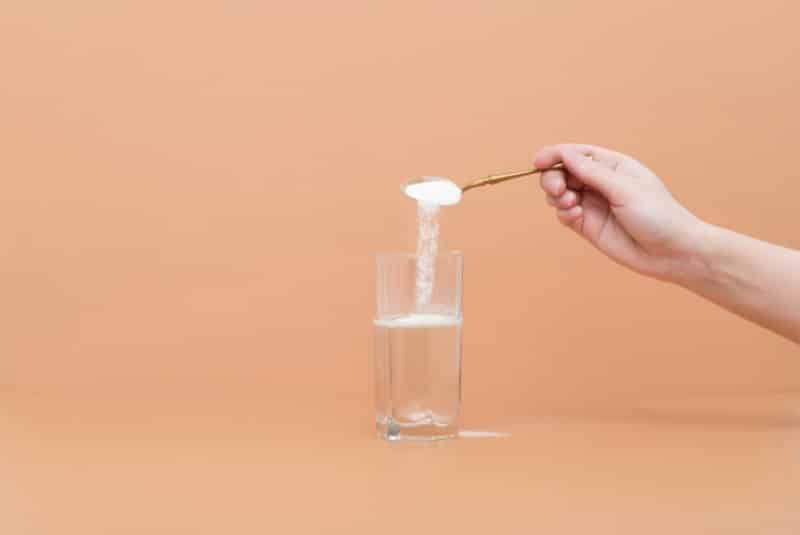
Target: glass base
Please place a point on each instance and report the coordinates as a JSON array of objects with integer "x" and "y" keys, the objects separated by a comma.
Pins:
[{"x": 427, "y": 430}]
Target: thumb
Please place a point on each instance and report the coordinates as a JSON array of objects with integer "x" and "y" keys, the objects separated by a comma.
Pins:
[{"x": 596, "y": 174}]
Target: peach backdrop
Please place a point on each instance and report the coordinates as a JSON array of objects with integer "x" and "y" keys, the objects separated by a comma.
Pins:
[
  {"x": 192, "y": 191},
  {"x": 191, "y": 195}
]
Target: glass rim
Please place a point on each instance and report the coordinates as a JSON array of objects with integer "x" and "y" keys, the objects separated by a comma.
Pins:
[{"x": 405, "y": 254}]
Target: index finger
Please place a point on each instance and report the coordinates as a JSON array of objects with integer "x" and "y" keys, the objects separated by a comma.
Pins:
[{"x": 549, "y": 156}]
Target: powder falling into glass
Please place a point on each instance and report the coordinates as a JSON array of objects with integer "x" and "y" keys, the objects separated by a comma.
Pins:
[
  {"x": 427, "y": 247},
  {"x": 430, "y": 193}
]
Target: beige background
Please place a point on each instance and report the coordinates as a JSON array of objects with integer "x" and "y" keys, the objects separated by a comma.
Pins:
[{"x": 191, "y": 192}]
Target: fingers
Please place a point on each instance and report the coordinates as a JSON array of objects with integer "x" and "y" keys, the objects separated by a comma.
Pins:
[
  {"x": 571, "y": 217},
  {"x": 587, "y": 170},
  {"x": 549, "y": 156},
  {"x": 554, "y": 182},
  {"x": 567, "y": 200},
  {"x": 588, "y": 165}
]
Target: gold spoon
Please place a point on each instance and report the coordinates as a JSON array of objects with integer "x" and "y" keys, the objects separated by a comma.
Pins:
[
  {"x": 455, "y": 191},
  {"x": 496, "y": 179},
  {"x": 453, "y": 196}
]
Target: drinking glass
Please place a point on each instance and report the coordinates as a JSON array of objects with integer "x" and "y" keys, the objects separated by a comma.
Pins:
[{"x": 418, "y": 346}]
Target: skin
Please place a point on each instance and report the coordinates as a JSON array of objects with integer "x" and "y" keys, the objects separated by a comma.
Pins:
[{"x": 625, "y": 211}]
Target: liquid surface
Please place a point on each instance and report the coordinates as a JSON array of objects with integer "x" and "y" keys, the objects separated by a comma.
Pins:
[{"x": 416, "y": 321}]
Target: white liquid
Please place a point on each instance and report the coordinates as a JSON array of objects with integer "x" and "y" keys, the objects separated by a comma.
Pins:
[{"x": 418, "y": 375}]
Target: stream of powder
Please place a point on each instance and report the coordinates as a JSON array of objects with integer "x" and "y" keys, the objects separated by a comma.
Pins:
[{"x": 427, "y": 247}]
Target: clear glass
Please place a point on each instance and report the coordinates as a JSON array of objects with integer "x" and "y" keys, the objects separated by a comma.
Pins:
[{"x": 418, "y": 348}]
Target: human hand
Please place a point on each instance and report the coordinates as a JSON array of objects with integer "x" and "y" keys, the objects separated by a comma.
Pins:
[{"x": 622, "y": 208}]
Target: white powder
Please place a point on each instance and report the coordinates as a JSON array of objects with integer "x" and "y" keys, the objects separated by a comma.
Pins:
[
  {"x": 430, "y": 193},
  {"x": 434, "y": 190},
  {"x": 427, "y": 247}
]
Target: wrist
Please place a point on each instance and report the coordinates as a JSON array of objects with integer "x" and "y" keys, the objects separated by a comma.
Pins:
[{"x": 698, "y": 260}]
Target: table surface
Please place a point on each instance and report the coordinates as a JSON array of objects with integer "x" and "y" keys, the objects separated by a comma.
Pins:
[{"x": 250, "y": 464}]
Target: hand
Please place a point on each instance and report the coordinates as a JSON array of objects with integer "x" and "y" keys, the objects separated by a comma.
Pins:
[{"x": 622, "y": 208}]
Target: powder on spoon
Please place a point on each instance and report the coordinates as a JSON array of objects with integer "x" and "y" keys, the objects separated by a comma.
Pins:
[{"x": 434, "y": 190}]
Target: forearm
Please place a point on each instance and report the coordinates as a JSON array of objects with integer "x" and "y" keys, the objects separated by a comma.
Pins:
[{"x": 754, "y": 279}]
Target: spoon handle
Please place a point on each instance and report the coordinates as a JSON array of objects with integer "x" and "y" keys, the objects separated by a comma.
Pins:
[{"x": 496, "y": 179}]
